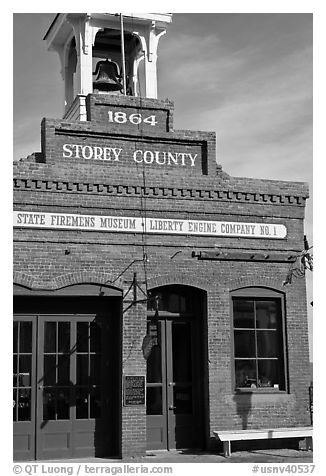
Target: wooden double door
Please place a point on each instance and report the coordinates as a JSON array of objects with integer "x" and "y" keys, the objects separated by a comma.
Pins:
[
  {"x": 64, "y": 386},
  {"x": 175, "y": 375}
]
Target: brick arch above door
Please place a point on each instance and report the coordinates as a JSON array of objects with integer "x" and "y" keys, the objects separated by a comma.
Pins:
[
  {"x": 67, "y": 279},
  {"x": 178, "y": 278}
]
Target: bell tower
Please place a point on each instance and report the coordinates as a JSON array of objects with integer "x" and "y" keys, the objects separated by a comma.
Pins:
[{"x": 106, "y": 53}]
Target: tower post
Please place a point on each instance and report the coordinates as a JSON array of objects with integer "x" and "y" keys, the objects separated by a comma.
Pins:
[{"x": 83, "y": 40}]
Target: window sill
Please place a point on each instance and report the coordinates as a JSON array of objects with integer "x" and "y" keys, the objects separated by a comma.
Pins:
[{"x": 239, "y": 391}]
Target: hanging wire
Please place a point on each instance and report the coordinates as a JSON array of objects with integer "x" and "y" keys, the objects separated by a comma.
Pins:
[{"x": 143, "y": 203}]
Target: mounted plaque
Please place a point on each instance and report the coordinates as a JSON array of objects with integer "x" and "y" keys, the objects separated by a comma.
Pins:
[{"x": 134, "y": 388}]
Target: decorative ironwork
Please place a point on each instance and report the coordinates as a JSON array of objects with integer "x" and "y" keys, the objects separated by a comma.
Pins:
[{"x": 302, "y": 262}]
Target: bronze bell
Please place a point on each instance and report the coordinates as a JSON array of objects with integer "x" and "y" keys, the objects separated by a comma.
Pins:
[{"x": 108, "y": 78}]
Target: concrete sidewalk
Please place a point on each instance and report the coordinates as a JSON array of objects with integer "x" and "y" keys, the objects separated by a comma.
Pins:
[{"x": 188, "y": 456}]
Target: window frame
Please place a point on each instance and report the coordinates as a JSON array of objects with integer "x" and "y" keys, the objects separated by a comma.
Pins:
[{"x": 256, "y": 293}]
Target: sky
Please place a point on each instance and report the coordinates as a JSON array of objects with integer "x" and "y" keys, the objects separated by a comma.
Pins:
[{"x": 246, "y": 76}]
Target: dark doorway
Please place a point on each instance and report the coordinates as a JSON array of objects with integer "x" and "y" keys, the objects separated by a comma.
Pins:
[
  {"x": 175, "y": 371},
  {"x": 66, "y": 377}
]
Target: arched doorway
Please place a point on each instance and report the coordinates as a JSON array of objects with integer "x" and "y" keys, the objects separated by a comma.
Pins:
[
  {"x": 66, "y": 372},
  {"x": 176, "y": 373}
]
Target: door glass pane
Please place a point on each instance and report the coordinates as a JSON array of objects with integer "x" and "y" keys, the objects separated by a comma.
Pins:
[
  {"x": 25, "y": 337},
  {"x": 25, "y": 370},
  {"x": 181, "y": 352},
  {"x": 154, "y": 401},
  {"x": 63, "y": 336},
  {"x": 95, "y": 369},
  {"x": 182, "y": 399},
  {"x": 154, "y": 365},
  {"x": 82, "y": 369},
  {"x": 95, "y": 403},
  {"x": 50, "y": 337},
  {"x": 95, "y": 336},
  {"x": 49, "y": 378},
  {"x": 63, "y": 369},
  {"x": 14, "y": 368},
  {"x": 63, "y": 406},
  {"x": 82, "y": 336},
  {"x": 243, "y": 313},
  {"x": 14, "y": 403},
  {"x": 49, "y": 404},
  {"x": 82, "y": 403},
  {"x": 245, "y": 373},
  {"x": 15, "y": 337},
  {"x": 244, "y": 344},
  {"x": 24, "y": 404}
]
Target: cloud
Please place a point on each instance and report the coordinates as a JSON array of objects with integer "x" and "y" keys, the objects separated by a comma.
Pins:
[{"x": 260, "y": 109}]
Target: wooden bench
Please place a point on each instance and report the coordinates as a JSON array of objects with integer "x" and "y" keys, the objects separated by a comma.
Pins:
[{"x": 236, "y": 435}]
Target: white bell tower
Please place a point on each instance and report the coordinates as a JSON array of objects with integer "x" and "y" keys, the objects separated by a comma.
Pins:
[{"x": 113, "y": 45}]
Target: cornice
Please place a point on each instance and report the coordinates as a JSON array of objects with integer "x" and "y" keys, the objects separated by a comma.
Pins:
[{"x": 183, "y": 193}]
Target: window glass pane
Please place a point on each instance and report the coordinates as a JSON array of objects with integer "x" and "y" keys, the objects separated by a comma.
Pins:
[
  {"x": 24, "y": 405},
  {"x": 154, "y": 400},
  {"x": 15, "y": 337},
  {"x": 48, "y": 404},
  {"x": 266, "y": 314},
  {"x": 267, "y": 344},
  {"x": 82, "y": 403},
  {"x": 63, "y": 403},
  {"x": 25, "y": 342},
  {"x": 258, "y": 352},
  {"x": 63, "y": 336},
  {"x": 243, "y": 313},
  {"x": 82, "y": 336},
  {"x": 244, "y": 344},
  {"x": 50, "y": 331},
  {"x": 173, "y": 303},
  {"x": 49, "y": 378},
  {"x": 172, "y": 300},
  {"x": 245, "y": 373},
  {"x": 271, "y": 374}
]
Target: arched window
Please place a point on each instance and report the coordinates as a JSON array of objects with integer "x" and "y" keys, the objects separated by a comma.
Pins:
[{"x": 258, "y": 340}]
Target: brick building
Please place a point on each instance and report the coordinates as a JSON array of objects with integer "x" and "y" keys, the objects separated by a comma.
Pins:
[{"x": 149, "y": 306}]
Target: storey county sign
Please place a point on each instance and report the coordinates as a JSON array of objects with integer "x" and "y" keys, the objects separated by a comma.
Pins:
[
  {"x": 118, "y": 154},
  {"x": 168, "y": 226}
]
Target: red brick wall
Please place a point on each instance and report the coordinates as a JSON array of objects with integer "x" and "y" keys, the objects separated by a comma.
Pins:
[{"x": 51, "y": 184}]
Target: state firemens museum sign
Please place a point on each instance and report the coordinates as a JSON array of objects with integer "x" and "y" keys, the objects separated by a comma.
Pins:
[{"x": 167, "y": 226}]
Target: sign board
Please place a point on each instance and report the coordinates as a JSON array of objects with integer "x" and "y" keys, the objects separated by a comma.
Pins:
[
  {"x": 166, "y": 226},
  {"x": 115, "y": 149},
  {"x": 137, "y": 114},
  {"x": 121, "y": 151},
  {"x": 134, "y": 390}
]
